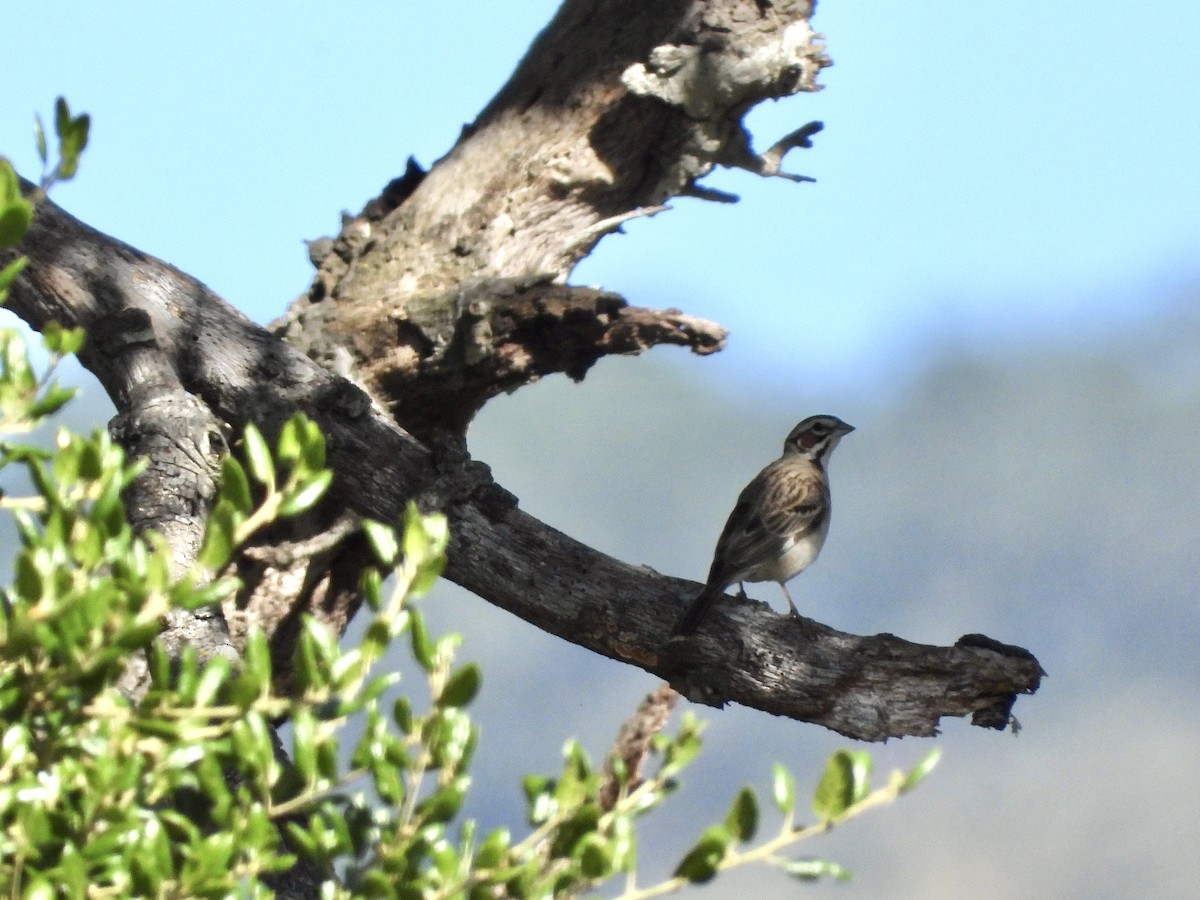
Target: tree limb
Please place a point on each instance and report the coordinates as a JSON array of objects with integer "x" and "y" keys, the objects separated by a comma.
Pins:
[
  {"x": 618, "y": 106},
  {"x": 869, "y": 688},
  {"x": 449, "y": 288},
  {"x": 452, "y": 353}
]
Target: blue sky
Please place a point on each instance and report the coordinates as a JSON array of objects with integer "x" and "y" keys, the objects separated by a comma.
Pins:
[{"x": 981, "y": 175}]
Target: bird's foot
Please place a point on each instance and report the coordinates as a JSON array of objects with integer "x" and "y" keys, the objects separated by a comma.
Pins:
[{"x": 791, "y": 602}]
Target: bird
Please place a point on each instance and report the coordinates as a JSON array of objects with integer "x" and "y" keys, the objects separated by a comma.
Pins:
[{"x": 780, "y": 521}]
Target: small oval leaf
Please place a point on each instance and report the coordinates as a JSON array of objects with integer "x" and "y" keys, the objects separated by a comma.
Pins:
[
  {"x": 422, "y": 646},
  {"x": 382, "y": 539},
  {"x": 835, "y": 792},
  {"x": 39, "y": 138},
  {"x": 14, "y": 222},
  {"x": 742, "y": 819},
  {"x": 235, "y": 487},
  {"x": 784, "y": 789},
  {"x": 258, "y": 456},
  {"x": 461, "y": 687},
  {"x": 307, "y": 494},
  {"x": 815, "y": 869},
  {"x": 701, "y": 862},
  {"x": 918, "y": 772}
]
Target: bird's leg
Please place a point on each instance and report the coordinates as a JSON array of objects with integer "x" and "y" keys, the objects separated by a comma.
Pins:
[
  {"x": 742, "y": 592},
  {"x": 791, "y": 603}
]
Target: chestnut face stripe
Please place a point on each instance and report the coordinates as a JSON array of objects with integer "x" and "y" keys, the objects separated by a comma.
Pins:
[{"x": 780, "y": 521}]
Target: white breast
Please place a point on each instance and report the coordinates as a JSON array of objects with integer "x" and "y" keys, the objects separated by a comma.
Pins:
[{"x": 795, "y": 558}]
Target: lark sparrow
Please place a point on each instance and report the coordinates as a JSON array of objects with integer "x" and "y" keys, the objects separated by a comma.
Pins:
[{"x": 780, "y": 521}]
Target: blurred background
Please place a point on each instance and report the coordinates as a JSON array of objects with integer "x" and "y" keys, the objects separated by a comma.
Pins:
[{"x": 994, "y": 278}]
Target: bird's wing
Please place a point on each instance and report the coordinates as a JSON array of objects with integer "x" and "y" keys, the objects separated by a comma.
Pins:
[{"x": 781, "y": 504}]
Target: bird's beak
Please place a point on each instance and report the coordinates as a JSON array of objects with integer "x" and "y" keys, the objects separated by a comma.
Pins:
[{"x": 845, "y": 429}]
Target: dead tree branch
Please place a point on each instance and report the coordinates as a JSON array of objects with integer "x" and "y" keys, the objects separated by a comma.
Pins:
[
  {"x": 865, "y": 687},
  {"x": 450, "y": 288},
  {"x": 618, "y": 106}
]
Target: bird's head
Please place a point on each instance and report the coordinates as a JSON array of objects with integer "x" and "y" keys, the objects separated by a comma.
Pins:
[{"x": 816, "y": 437}]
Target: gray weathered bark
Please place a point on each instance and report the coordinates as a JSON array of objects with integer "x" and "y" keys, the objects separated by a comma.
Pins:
[{"x": 450, "y": 288}]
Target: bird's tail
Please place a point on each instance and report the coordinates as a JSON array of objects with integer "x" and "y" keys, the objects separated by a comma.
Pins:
[{"x": 690, "y": 620}]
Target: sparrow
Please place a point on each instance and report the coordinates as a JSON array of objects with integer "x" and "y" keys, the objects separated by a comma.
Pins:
[{"x": 780, "y": 521}]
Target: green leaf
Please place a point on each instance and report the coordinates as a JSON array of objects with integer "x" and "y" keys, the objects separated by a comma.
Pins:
[
  {"x": 38, "y": 889},
  {"x": 304, "y": 750},
  {"x": 461, "y": 687},
  {"x": 534, "y": 786},
  {"x": 323, "y": 641},
  {"x": 595, "y": 856},
  {"x": 918, "y": 772},
  {"x": 425, "y": 537},
  {"x": 538, "y": 794},
  {"x": 382, "y": 539},
  {"x": 860, "y": 765},
  {"x": 443, "y": 805},
  {"x": 846, "y": 781},
  {"x": 370, "y": 585},
  {"x": 290, "y": 440},
  {"x": 493, "y": 849},
  {"x": 15, "y": 211},
  {"x": 207, "y": 595},
  {"x": 9, "y": 273},
  {"x": 216, "y": 671},
  {"x": 62, "y": 116},
  {"x": 683, "y": 749},
  {"x": 235, "y": 487},
  {"x": 376, "y": 884},
  {"x": 427, "y": 575},
  {"x": 784, "y": 789},
  {"x": 72, "y": 138},
  {"x": 39, "y": 138},
  {"x": 14, "y": 222},
  {"x": 254, "y": 678},
  {"x": 300, "y": 440},
  {"x": 619, "y": 768},
  {"x": 10, "y": 185},
  {"x": 377, "y": 685},
  {"x": 218, "y": 536},
  {"x": 422, "y": 646},
  {"x": 624, "y": 843},
  {"x": 188, "y": 674},
  {"x": 28, "y": 578},
  {"x": 60, "y": 340},
  {"x": 451, "y": 738},
  {"x": 258, "y": 456},
  {"x": 306, "y": 494},
  {"x": 313, "y": 446},
  {"x": 579, "y": 821},
  {"x": 701, "y": 862},
  {"x": 402, "y": 714},
  {"x": 742, "y": 819},
  {"x": 575, "y": 759},
  {"x": 54, "y": 399},
  {"x": 814, "y": 869},
  {"x": 303, "y": 839},
  {"x": 445, "y": 859}
]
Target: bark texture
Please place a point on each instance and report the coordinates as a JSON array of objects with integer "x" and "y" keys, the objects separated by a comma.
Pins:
[
  {"x": 452, "y": 281},
  {"x": 450, "y": 288}
]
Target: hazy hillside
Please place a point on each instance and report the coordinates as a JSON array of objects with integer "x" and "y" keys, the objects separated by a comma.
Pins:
[{"x": 1045, "y": 496}]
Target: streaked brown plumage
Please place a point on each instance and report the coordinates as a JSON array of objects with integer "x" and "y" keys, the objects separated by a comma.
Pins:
[{"x": 779, "y": 523}]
